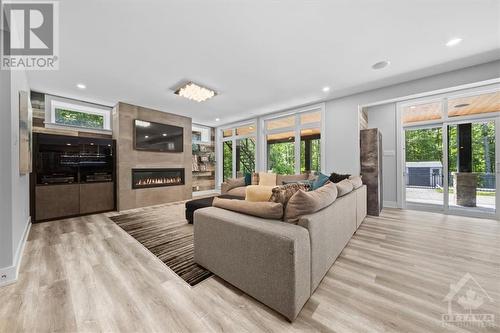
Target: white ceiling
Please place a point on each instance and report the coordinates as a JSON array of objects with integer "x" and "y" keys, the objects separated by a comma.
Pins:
[{"x": 260, "y": 55}]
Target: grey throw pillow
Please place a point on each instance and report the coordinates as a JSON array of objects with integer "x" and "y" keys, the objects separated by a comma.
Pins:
[
  {"x": 304, "y": 203},
  {"x": 356, "y": 181},
  {"x": 344, "y": 187}
]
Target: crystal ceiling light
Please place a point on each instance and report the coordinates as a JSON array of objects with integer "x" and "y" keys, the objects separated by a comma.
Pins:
[{"x": 195, "y": 92}]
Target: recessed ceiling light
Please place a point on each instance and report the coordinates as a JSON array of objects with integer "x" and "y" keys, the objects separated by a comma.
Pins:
[
  {"x": 413, "y": 107},
  {"x": 453, "y": 42},
  {"x": 326, "y": 89},
  {"x": 164, "y": 134},
  {"x": 217, "y": 119},
  {"x": 461, "y": 105},
  {"x": 381, "y": 64},
  {"x": 146, "y": 136},
  {"x": 81, "y": 86},
  {"x": 195, "y": 92}
]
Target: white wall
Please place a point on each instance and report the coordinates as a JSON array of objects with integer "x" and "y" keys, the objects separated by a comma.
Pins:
[
  {"x": 383, "y": 117},
  {"x": 20, "y": 183},
  {"x": 14, "y": 195},
  {"x": 5, "y": 172},
  {"x": 342, "y": 135}
]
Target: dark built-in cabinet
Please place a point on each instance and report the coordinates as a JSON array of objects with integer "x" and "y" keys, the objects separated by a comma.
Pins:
[{"x": 71, "y": 176}]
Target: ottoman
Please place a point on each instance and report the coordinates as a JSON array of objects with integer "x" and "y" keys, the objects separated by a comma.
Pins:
[{"x": 195, "y": 204}]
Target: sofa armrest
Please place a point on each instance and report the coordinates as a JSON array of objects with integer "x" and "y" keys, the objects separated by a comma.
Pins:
[
  {"x": 267, "y": 259},
  {"x": 231, "y": 183}
]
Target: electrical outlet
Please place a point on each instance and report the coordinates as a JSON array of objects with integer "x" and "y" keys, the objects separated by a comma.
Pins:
[{"x": 3, "y": 277}]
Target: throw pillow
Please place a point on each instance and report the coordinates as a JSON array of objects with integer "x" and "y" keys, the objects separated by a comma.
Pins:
[
  {"x": 267, "y": 210},
  {"x": 356, "y": 181},
  {"x": 267, "y": 178},
  {"x": 235, "y": 182},
  {"x": 303, "y": 203},
  {"x": 337, "y": 177},
  {"x": 248, "y": 179},
  {"x": 255, "y": 178},
  {"x": 320, "y": 181},
  {"x": 344, "y": 187},
  {"x": 258, "y": 193},
  {"x": 305, "y": 182},
  {"x": 281, "y": 194}
]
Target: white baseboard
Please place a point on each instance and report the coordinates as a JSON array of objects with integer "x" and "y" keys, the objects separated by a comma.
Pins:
[
  {"x": 9, "y": 274},
  {"x": 391, "y": 204}
]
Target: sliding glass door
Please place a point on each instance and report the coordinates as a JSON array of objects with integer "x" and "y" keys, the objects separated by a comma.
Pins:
[
  {"x": 424, "y": 166},
  {"x": 450, "y": 153},
  {"x": 471, "y": 166}
]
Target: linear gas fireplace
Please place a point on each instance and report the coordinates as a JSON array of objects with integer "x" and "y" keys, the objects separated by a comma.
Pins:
[{"x": 145, "y": 178}]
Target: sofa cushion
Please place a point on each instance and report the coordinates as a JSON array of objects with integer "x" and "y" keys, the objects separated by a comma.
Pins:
[
  {"x": 237, "y": 191},
  {"x": 320, "y": 180},
  {"x": 282, "y": 179},
  {"x": 267, "y": 179},
  {"x": 257, "y": 193},
  {"x": 283, "y": 193},
  {"x": 267, "y": 210},
  {"x": 356, "y": 181},
  {"x": 344, "y": 187},
  {"x": 338, "y": 177},
  {"x": 235, "y": 182},
  {"x": 303, "y": 203}
]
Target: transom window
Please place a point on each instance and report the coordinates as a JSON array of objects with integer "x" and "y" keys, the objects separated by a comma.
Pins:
[
  {"x": 75, "y": 114},
  {"x": 293, "y": 142}
]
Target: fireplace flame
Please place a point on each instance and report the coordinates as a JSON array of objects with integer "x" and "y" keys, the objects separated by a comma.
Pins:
[{"x": 159, "y": 181}]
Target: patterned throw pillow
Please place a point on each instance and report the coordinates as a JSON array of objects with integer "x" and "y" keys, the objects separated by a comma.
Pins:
[{"x": 283, "y": 193}]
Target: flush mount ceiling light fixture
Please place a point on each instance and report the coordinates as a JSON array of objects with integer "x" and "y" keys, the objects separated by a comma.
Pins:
[
  {"x": 195, "y": 92},
  {"x": 381, "y": 64},
  {"x": 453, "y": 42}
]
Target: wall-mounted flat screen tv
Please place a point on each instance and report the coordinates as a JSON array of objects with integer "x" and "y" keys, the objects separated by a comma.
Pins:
[{"x": 152, "y": 136}]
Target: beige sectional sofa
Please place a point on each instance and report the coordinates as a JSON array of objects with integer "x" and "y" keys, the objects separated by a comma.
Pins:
[
  {"x": 278, "y": 263},
  {"x": 237, "y": 188}
]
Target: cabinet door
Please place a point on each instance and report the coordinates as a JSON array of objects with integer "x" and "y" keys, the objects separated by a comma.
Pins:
[
  {"x": 97, "y": 197},
  {"x": 55, "y": 201}
]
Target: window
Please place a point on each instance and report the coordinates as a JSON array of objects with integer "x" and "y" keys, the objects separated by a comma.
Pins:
[
  {"x": 422, "y": 112},
  {"x": 69, "y": 113},
  {"x": 310, "y": 150},
  {"x": 281, "y": 153},
  {"x": 79, "y": 119},
  {"x": 294, "y": 143},
  {"x": 238, "y": 151},
  {"x": 473, "y": 105}
]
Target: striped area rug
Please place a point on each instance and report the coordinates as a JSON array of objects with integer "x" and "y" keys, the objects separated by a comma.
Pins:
[{"x": 164, "y": 231}]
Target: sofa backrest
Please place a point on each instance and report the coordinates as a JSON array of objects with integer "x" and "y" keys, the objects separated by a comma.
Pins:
[{"x": 290, "y": 178}]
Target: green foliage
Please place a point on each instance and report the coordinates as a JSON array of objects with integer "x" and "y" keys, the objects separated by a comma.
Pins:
[
  {"x": 246, "y": 155},
  {"x": 227, "y": 159},
  {"x": 281, "y": 158},
  {"x": 426, "y": 145},
  {"x": 80, "y": 119}
]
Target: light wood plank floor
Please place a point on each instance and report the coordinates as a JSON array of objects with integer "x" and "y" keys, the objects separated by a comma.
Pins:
[{"x": 88, "y": 275}]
